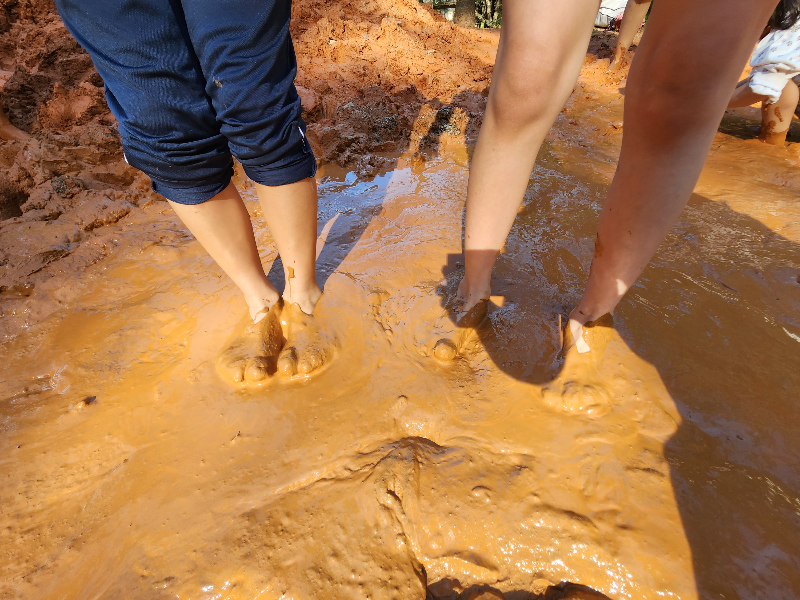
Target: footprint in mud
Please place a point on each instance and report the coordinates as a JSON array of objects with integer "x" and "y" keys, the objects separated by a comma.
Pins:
[
  {"x": 308, "y": 347},
  {"x": 453, "y": 329},
  {"x": 577, "y": 388},
  {"x": 445, "y": 344},
  {"x": 251, "y": 354}
]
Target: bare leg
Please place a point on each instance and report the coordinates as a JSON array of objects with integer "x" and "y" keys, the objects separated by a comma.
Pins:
[
  {"x": 632, "y": 18},
  {"x": 535, "y": 71},
  {"x": 541, "y": 51},
  {"x": 777, "y": 116},
  {"x": 291, "y": 214},
  {"x": 679, "y": 86},
  {"x": 222, "y": 226}
]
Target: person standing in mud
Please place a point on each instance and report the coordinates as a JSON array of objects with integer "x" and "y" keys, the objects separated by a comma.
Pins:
[
  {"x": 680, "y": 82},
  {"x": 192, "y": 84},
  {"x": 776, "y": 67},
  {"x": 635, "y": 12}
]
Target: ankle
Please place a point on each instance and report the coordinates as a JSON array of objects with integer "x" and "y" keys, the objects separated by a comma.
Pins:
[
  {"x": 587, "y": 312},
  {"x": 259, "y": 304},
  {"x": 306, "y": 298},
  {"x": 474, "y": 291}
]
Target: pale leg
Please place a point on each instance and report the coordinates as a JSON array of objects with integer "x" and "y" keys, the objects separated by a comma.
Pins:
[
  {"x": 541, "y": 51},
  {"x": 632, "y": 18},
  {"x": 222, "y": 226},
  {"x": 776, "y": 117},
  {"x": 291, "y": 214}
]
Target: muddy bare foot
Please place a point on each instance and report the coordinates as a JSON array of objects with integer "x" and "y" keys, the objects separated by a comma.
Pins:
[
  {"x": 577, "y": 388},
  {"x": 308, "y": 348},
  {"x": 251, "y": 354},
  {"x": 618, "y": 61},
  {"x": 454, "y": 328}
]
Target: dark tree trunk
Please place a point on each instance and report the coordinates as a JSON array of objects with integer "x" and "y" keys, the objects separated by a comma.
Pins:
[{"x": 465, "y": 13}]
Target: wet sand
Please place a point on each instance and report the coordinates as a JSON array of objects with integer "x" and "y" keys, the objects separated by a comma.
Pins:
[{"x": 668, "y": 468}]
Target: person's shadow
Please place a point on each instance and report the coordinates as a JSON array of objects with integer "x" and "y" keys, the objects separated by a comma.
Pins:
[
  {"x": 704, "y": 314},
  {"x": 717, "y": 313}
]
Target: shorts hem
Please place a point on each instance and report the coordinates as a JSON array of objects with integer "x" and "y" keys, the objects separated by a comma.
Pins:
[
  {"x": 189, "y": 196},
  {"x": 296, "y": 171}
]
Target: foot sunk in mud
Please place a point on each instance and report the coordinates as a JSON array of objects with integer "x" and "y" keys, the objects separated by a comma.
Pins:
[
  {"x": 578, "y": 389},
  {"x": 286, "y": 343},
  {"x": 251, "y": 354},
  {"x": 454, "y": 329},
  {"x": 308, "y": 348}
]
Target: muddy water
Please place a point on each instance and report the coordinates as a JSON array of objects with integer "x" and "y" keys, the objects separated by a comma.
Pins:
[{"x": 667, "y": 468}]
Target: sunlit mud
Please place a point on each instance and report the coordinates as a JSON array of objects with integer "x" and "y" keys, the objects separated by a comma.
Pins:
[
  {"x": 153, "y": 446},
  {"x": 666, "y": 466}
]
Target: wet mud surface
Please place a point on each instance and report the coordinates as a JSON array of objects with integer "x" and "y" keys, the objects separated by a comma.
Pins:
[{"x": 664, "y": 467}]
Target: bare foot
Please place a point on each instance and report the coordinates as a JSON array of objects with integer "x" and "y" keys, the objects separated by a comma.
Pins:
[
  {"x": 308, "y": 348},
  {"x": 251, "y": 354},
  {"x": 578, "y": 388},
  {"x": 465, "y": 312},
  {"x": 618, "y": 60}
]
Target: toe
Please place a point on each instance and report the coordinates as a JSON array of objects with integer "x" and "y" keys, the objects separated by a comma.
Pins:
[
  {"x": 256, "y": 369},
  {"x": 287, "y": 362},
  {"x": 445, "y": 350},
  {"x": 578, "y": 398},
  {"x": 232, "y": 370},
  {"x": 311, "y": 360}
]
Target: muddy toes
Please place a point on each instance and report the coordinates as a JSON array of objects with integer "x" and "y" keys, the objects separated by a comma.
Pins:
[
  {"x": 257, "y": 369},
  {"x": 312, "y": 359},
  {"x": 287, "y": 362},
  {"x": 453, "y": 330},
  {"x": 445, "y": 350},
  {"x": 308, "y": 347},
  {"x": 249, "y": 357},
  {"x": 575, "y": 390},
  {"x": 231, "y": 370},
  {"x": 578, "y": 398}
]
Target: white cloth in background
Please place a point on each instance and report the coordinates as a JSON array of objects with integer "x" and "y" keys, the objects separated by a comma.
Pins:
[
  {"x": 775, "y": 61},
  {"x": 608, "y": 10}
]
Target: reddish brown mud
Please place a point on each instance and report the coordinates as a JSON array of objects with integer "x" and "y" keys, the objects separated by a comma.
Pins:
[{"x": 662, "y": 465}]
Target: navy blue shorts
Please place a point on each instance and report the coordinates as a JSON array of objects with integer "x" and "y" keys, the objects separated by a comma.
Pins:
[{"x": 192, "y": 82}]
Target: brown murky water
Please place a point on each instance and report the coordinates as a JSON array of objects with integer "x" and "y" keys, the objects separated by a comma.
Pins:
[{"x": 668, "y": 469}]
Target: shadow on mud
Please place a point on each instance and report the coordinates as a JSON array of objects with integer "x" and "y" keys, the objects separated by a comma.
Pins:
[
  {"x": 717, "y": 313},
  {"x": 442, "y": 590}
]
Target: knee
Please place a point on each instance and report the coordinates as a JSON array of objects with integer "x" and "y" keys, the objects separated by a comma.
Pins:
[
  {"x": 669, "y": 97},
  {"x": 524, "y": 101}
]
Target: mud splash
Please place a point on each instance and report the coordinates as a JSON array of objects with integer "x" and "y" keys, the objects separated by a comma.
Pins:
[{"x": 669, "y": 468}]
